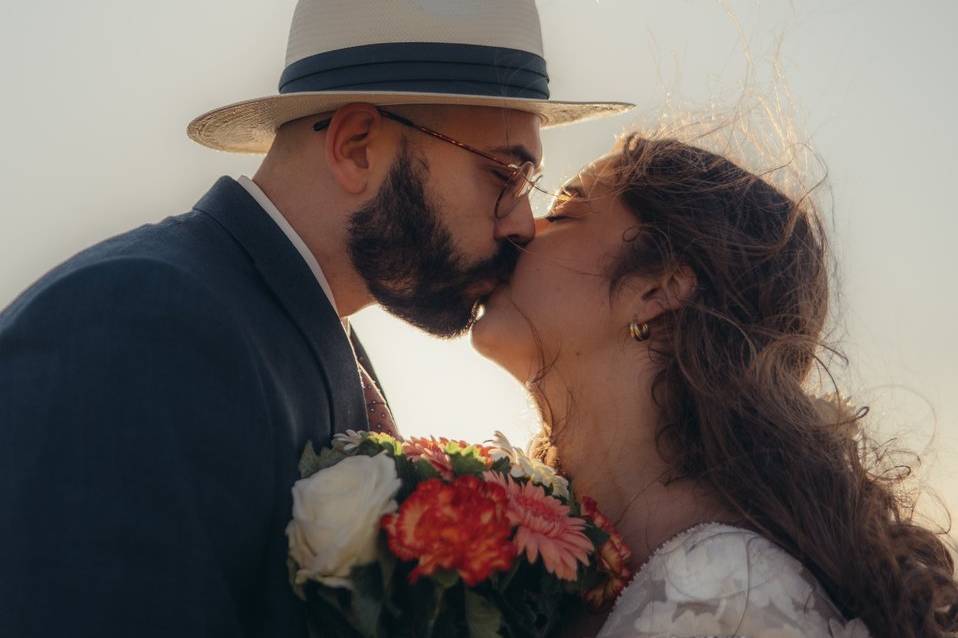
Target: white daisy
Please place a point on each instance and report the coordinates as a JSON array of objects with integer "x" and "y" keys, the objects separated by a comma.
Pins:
[
  {"x": 349, "y": 440},
  {"x": 522, "y": 466}
]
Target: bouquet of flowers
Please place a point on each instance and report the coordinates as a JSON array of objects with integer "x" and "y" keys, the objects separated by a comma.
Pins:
[{"x": 431, "y": 537}]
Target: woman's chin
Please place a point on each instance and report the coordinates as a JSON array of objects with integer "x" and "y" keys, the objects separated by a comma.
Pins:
[
  {"x": 495, "y": 336},
  {"x": 482, "y": 333}
]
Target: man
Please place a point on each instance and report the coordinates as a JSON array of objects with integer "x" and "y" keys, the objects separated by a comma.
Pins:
[{"x": 157, "y": 390}]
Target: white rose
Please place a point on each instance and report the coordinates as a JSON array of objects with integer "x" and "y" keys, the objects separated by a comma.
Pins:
[{"x": 336, "y": 515}]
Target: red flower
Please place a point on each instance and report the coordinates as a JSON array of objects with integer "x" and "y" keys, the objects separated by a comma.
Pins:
[
  {"x": 613, "y": 556},
  {"x": 460, "y": 526}
]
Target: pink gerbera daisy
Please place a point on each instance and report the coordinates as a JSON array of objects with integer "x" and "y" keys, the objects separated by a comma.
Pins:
[
  {"x": 544, "y": 526},
  {"x": 431, "y": 450},
  {"x": 437, "y": 451}
]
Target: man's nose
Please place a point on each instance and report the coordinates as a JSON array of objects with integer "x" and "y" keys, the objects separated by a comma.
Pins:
[{"x": 518, "y": 226}]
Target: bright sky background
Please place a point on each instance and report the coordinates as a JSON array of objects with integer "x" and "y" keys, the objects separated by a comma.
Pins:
[{"x": 98, "y": 93}]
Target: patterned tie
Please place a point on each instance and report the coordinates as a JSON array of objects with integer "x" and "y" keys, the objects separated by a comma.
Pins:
[{"x": 380, "y": 418}]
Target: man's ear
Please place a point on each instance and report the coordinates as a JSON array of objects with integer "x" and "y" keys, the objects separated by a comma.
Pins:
[
  {"x": 349, "y": 139},
  {"x": 655, "y": 296}
]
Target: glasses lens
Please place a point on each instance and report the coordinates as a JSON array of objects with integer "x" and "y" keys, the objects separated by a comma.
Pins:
[
  {"x": 516, "y": 188},
  {"x": 525, "y": 179}
]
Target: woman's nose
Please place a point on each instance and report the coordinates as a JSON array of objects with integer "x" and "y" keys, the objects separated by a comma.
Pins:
[{"x": 540, "y": 224}]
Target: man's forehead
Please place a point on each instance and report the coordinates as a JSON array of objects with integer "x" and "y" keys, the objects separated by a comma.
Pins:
[
  {"x": 507, "y": 133},
  {"x": 518, "y": 153}
]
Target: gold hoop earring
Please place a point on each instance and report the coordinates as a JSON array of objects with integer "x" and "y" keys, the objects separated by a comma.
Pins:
[{"x": 640, "y": 332}]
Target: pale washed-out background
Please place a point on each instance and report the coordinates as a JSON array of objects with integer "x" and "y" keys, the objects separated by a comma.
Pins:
[{"x": 97, "y": 95}]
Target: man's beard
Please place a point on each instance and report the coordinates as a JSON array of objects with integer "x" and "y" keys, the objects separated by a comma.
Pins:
[{"x": 401, "y": 248}]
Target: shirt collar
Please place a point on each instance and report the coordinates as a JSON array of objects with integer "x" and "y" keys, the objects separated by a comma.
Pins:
[
  {"x": 257, "y": 193},
  {"x": 284, "y": 272}
]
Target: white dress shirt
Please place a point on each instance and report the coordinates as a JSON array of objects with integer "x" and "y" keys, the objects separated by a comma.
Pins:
[{"x": 294, "y": 238}]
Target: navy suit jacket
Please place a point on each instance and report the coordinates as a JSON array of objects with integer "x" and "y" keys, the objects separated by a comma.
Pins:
[{"x": 156, "y": 392}]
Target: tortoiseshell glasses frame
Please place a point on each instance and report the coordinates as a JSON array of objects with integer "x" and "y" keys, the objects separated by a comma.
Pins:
[{"x": 522, "y": 177}]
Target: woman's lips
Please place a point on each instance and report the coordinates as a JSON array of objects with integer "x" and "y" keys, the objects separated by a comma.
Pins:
[
  {"x": 494, "y": 293},
  {"x": 483, "y": 289}
]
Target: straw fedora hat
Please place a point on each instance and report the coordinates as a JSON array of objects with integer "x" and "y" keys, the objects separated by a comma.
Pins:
[{"x": 391, "y": 52}]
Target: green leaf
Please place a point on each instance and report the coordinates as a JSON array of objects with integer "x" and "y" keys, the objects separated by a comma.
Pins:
[
  {"x": 425, "y": 470},
  {"x": 597, "y": 536},
  {"x": 451, "y": 620},
  {"x": 440, "y": 606},
  {"x": 502, "y": 581},
  {"x": 446, "y": 578},
  {"x": 367, "y": 579},
  {"x": 533, "y": 604},
  {"x": 292, "y": 568},
  {"x": 369, "y": 448},
  {"x": 466, "y": 464},
  {"x": 409, "y": 476},
  {"x": 588, "y": 579},
  {"x": 574, "y": 508},
  {"x": 387, "y": 564},
  {"x": 483, "y": 618},
  {"x": 412, "y": 608},
  {"x": 376, "y": 443},
  {"x": 309, "y": 462},
  {"x": 367, "y": 598},
  {"x": 326, "y": 613},
  {"x": 502, "y": 466},
  {"x": 329, "y": 457}
]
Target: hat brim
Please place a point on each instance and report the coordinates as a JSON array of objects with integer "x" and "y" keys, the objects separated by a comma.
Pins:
[{"x": 250, "y": 126}]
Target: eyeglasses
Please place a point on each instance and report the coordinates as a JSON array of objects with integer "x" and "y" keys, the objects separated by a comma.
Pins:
[{"x": 521, "y": 181}]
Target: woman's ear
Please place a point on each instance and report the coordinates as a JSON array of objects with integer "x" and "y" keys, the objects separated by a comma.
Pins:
[
  {"x": 652, "y": 297},
  {"x": 349, "y": 141}
]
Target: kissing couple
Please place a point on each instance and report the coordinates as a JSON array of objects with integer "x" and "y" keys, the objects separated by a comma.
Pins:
[{"x": 157, "y": 389}]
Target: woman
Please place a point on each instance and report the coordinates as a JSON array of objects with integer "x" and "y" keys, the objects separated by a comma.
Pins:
[{"x": 668, "y": 318}]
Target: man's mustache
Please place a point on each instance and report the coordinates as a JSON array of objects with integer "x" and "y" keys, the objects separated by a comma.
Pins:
[
  {"x": 497, "y": 268},
  {"x": 500, "y": 266}
]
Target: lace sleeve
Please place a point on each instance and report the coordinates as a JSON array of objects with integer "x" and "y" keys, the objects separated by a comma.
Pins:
[
  {"x": 725, "y": 582},
  {"x": 723, "y": 619}
]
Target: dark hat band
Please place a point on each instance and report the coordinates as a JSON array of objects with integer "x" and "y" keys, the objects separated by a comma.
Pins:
[{"x": 426, "y": 67}]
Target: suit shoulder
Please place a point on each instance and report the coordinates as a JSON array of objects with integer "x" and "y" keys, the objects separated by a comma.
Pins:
[
  {"x": 157, "y": 263},
  {"x": 116, "y": 288},
  {"x": 188, "y": 241}
]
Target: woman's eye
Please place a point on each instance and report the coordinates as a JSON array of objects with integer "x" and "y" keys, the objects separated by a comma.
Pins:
[
  {"x": 563, "y": 198},
  {"x": 556, "y": 218}
]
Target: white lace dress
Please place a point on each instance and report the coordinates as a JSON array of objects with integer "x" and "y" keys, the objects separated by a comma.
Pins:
[{"x": 718, "y": 580}]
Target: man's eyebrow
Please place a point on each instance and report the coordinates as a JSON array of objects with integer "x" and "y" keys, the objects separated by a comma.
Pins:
[{"x": 518, "y": 152}]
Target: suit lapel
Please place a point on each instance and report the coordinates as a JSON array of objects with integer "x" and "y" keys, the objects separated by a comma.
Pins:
[{"x": 294, "y": 285}]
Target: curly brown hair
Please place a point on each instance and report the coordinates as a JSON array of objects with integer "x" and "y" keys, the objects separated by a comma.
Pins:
[{"x": 732, "y": 387}]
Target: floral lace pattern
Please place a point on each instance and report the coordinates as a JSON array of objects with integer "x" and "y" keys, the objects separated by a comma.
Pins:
[{"x": 715, "y": 580}]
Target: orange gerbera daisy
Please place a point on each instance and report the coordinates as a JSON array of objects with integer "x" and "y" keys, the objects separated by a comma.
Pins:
[
  {"x": 461, "y": 526},
  {"x": 545, "y": 526},
  {"x": 614, "y": 559}
]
